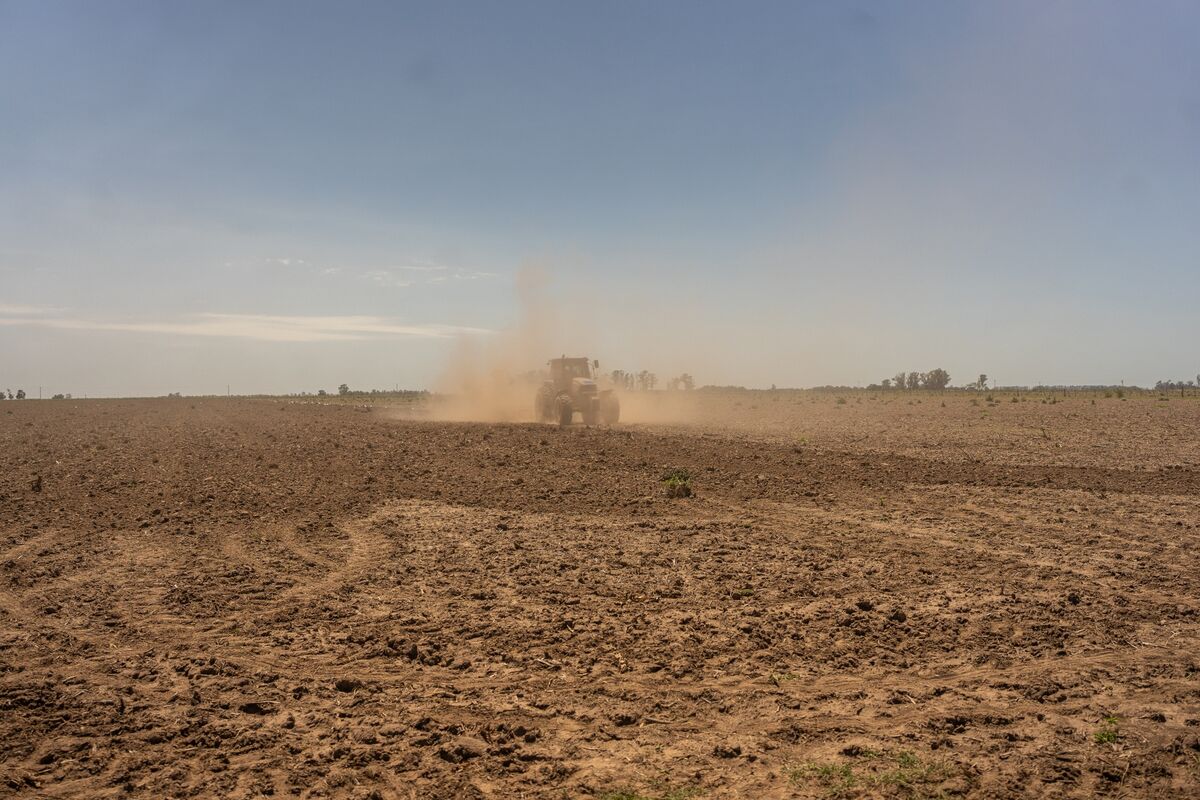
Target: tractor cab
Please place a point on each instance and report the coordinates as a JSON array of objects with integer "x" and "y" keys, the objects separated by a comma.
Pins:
[{"x": 565, "y": 371}]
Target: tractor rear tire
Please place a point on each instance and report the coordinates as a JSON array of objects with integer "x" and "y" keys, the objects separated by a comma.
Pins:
[{"x": 565, "y": 413}]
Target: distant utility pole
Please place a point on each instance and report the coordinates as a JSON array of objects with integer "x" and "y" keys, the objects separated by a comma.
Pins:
[
  {"x": 227, "y": 390},
  {"x": 39, "y": 393}
]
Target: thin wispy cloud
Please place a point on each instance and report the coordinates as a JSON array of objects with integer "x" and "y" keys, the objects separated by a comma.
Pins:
[
  {"x": 385, "y": 277},
  {"x": 471, "y": 275},
  {"x": 421, "y": 268},
  {"x": 395, "y": 275},
  {"x": 22, "y": 310},
  {"x": 415, "y": 274},
  {"x": 259, "y": 327}
]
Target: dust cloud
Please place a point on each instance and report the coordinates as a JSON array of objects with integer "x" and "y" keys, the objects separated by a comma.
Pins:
[{"x": 496, "y": 379}]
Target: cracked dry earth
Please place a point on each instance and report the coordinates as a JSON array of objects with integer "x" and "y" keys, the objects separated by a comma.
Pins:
[{"x": 236, "y": 598}]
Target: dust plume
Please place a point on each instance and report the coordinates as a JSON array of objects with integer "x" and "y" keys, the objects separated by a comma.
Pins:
[
  {"x": 660, "y": 407},
  {"x": 496, "y": 379}
]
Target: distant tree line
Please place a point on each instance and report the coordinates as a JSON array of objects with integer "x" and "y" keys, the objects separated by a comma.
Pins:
[
  {"x": 344, "y": 390},
  {"x": 1182, "y": 386},
  {"x": 934, "y": 379},
  {"x": 646, "y": 381},
  {"x": 684, "y": 381},
  {"x": 20, "y": 395}
]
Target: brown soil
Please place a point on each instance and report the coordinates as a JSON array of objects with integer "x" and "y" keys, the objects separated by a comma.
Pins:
[{"x": 229, "y": 598}]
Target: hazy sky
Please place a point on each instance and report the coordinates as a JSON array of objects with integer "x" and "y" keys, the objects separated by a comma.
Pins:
[{"x": 285, "y": 196}]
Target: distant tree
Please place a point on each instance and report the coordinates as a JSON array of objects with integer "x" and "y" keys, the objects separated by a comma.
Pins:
[
  {"x": 900, "y": 381},
  {"x": 20, "y": 394},
  {"x": 59, "y": 397},
  {"x": 651, "y": 380},
  {"x": 981, "y": 384},
  {"x": 343, "y": 389},
  {"x": 619, "y": 379},
  {"x": 913, "y": 380},
  {"x": 687, "y": 382},
  {"x": 322, "y": 393},
  {"x": 887, "y": 383},
  {"x": 937, "y": 379}
]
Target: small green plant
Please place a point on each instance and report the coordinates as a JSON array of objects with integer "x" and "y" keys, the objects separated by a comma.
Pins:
[
  {"x": 836, "y": 779},
  {"x": 678, "y": 483},
  {"x": 911, "y": 772},
  {"x": 1110, "y": 731},
  {"x": 841, "y": 401},
  {"x": 902, "y": 774},
  {"x": 780, "y": 678}
]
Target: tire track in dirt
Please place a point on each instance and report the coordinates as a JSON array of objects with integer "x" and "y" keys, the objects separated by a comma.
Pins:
[{"x": 366, "y": 553}]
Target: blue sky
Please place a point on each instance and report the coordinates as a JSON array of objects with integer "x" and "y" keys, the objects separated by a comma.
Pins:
[{"x": 286, "y": 196}]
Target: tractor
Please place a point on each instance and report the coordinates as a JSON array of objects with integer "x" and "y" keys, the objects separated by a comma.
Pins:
[{"x": 572, "y": 388}]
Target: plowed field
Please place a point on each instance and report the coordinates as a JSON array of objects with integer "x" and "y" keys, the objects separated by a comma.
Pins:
[{"x": 866, "y": 597}]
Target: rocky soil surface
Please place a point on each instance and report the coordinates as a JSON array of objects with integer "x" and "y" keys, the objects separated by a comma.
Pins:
[{"x": 863, "y": 597}]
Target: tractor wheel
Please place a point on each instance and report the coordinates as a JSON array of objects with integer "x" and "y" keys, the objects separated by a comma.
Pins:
[
  {"x": 543, "y": 405},
  {"x": 565, "y": 413},
  {"x": 610, "y": 410}
]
